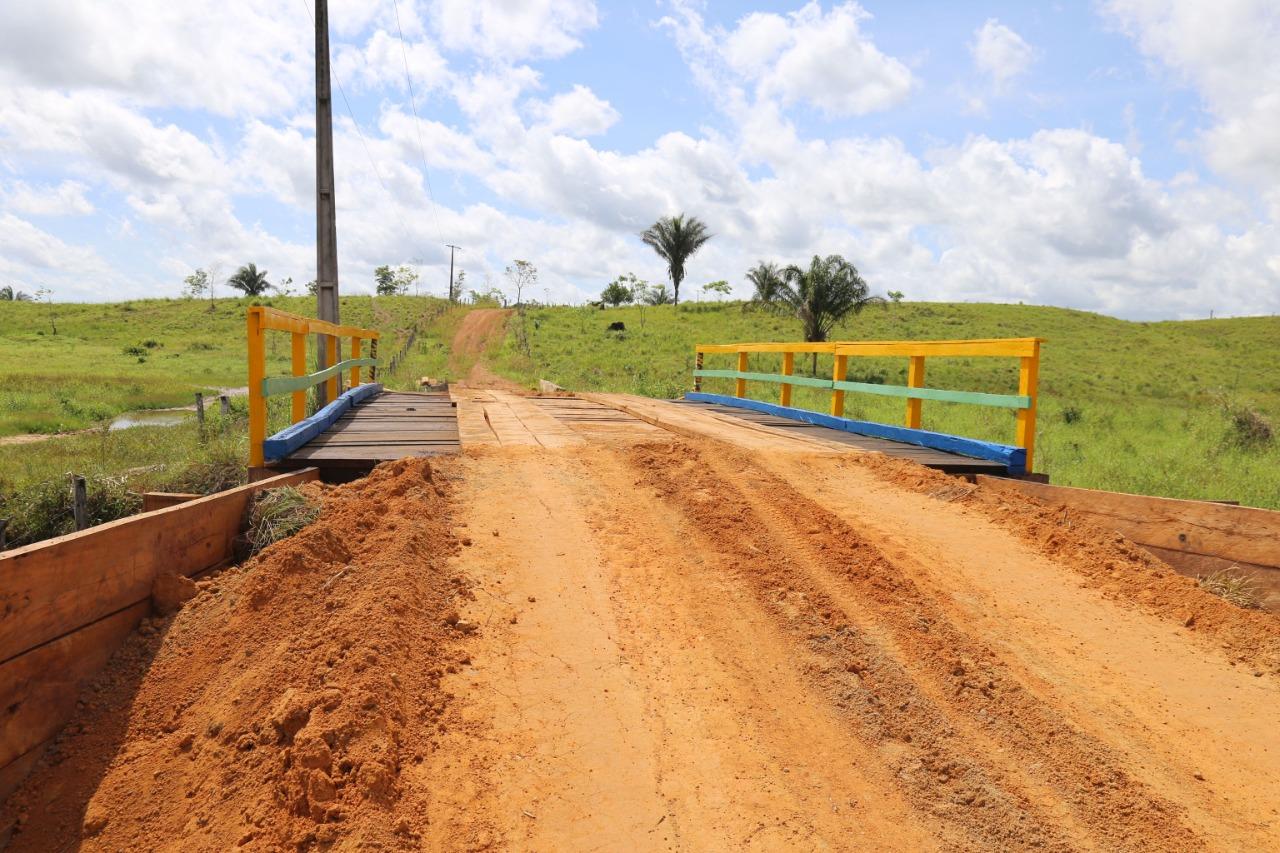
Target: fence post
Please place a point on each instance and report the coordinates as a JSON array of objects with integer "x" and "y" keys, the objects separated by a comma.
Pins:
[
  {"x": 1028, "y": 380},
  {"x": 697, "y": 365},
  {"x": 373, "y": 353},
  {"x": 200, "y": 412},
  {"x": 331, "y": 352},
  {"x": 4, "y": 522},
  {"x": 740, "y": 384},
  {"x": 355, "y": 353},
  {"x": 915, "y": 379},
  {"x": 838, "y": 372},
  {"x": 80, "y": 501},
  {"x": 257, "y": 372},
  {"x": 788, "y": 368},
  {"x": 298, "y": 402}
]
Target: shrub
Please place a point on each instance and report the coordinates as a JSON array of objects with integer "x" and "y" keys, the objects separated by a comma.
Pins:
[
  {"x": 1071, "y": 415},
  {"x": 139, "y": 351},
  {"x": 1232, "y": 585},
  {"x": 278, "y": 514}
]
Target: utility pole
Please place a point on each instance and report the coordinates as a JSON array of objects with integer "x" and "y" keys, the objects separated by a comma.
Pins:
[
  {"x": 326, "y": 205},
  {"x": 451, "y": 248}
]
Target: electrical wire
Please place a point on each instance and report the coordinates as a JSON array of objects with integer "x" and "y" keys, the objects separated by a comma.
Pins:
[{"x": 413, "y": 104}]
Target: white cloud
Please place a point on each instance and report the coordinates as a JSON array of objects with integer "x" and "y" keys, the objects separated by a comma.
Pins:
[
  {"x": 1227, "y": 51},
  {"x": 809, "y": 56},
  {"x": 514, "y": 31},
  {"x": 1000, "y": 53},
  {"x": 65, "y": 199},
  {"x": 578, "y": 112}
]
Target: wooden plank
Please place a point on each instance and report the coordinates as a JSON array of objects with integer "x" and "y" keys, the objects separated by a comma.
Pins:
[
  {"x": 1015, "y": 347},
  {"x": 14, "y": 773},
  {"x": 1237, "y": 533},
  {"x": 291, "y": 438},
  {"x": 977, "y": 398},
  {"x": 38, "y": 688},
  {"x": 152, "y": 501},
  {"x": 55, "y": 587},
  {"x": 779, "y": 378}
]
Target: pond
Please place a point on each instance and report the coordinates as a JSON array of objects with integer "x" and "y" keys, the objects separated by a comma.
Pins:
[{"x": 150, "y": 417}]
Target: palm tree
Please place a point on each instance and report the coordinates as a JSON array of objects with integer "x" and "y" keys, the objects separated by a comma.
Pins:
[
  {"x": 249, "y": 280},
  {"x": 675, "y": 239},
  {"x": 824, "y": 294},
  {"x": 8, "y": 294},
  {"x": 766, "y": 279}
]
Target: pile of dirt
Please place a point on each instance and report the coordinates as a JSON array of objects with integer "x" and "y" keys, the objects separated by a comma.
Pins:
[{"x": 279, "y": 706}]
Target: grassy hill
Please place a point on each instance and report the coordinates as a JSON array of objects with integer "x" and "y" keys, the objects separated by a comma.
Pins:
[
  {"x": 1168, "y": 408},
  {"x": 111, "y": 358}
]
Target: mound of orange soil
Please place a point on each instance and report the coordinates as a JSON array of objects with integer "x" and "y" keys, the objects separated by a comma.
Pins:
[{"x": 279, "y": 706}]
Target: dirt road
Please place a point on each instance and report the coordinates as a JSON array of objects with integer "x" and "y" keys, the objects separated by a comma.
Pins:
[
  {"x": 481, "y": 330},
  {"x": 593, "y": 632}
]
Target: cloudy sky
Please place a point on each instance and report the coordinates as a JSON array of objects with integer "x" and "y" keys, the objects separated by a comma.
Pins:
[{"x": 1117, "y": 156}]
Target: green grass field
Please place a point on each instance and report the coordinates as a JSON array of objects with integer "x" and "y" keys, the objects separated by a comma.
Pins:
[
  {"x": 111, "y": 358},
  {"x": 1138, "y": 407}
]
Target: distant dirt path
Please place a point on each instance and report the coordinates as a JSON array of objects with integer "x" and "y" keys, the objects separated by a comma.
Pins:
[{"x": 481, "y": 329}]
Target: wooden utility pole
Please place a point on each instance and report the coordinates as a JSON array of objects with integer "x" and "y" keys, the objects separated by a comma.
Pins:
[
  {"x": 451, "y": 248},
  {"x": 326, "y": 205}
]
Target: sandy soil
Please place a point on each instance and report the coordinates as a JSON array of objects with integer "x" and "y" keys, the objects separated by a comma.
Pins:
[
  {"x": 481, "y": 329},
  {"x": 700, "y": 636}
]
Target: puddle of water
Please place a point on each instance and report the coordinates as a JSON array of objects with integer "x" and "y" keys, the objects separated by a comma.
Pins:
[{"x": 150, "y": 417}]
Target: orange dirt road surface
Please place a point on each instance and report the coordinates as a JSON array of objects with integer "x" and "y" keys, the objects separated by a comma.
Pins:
[{"x": 616, "y": 624}]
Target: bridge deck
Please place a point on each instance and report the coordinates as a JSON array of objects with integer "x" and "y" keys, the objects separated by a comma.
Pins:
[
  {"x": 948, "y": 463},
  {"x": 390, "y": 425}
]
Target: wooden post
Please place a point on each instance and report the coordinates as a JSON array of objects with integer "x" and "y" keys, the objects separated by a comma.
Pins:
[
  {"x": 740, "y": 384},
  {"x": 4, "y": 522},
  {"x": 838, "y": 372},
  {"x": 257, "y": 372},
  {"x": 355, "y": 353},
  {"x": 915, "y": 379},
  {"x": 80, "y": 501},
  {"x": 331, "y": 358},
  {"x": 373, "y": 353},
  {"x": 200, "y": 413},
  {"x": 298, "y": 403},
  {"x": 788, "y": 368},
  {"x": 697, "y": 365},
  {"x": 1028, "y": 380}
]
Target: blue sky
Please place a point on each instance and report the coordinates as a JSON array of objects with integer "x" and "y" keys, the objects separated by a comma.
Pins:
[{"x": 1107, "y": 156}]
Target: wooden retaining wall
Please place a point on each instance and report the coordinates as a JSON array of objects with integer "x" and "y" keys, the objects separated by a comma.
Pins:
[
  {"x": 68, "y": 603},
  {"x": 1194, "y": 537}
]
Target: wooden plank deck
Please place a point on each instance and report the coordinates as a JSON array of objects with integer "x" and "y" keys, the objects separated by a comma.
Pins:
[
  {"x": 388, "y": 426},
  {"x": 948, "y": 463}
]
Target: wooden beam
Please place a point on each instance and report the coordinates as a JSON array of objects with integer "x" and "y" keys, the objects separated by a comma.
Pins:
[
  {"x": 152, "y": 501},
  {"x": 55, "y": 587}
]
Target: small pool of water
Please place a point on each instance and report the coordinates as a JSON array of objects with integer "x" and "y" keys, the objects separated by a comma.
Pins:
[{"x": 150, "y": 417}]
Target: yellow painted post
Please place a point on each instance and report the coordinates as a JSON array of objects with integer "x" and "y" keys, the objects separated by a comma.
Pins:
[
  {"x": 838, "y": 373},
  {"x": 915, "y": 379},
  {"x": 257, "y": 372},
  {"x": 299, "y": 404},
  {"x": 331, "y": 351},
  {"x": 1028, "y": 381},
  {"x": 697, "y": 365},
  {"x": 740, "y": 385},
  {"x": 788, "y": 368},
  {"x": 355, "y": 353}
]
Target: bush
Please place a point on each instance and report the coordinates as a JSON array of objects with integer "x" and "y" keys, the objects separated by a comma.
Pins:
[
  {"x": 1071, "y": 415},
  {"x": 278, "y": 514},
  {"x": 1232, "y": 585},
  {"x": 138, "y": 351}
]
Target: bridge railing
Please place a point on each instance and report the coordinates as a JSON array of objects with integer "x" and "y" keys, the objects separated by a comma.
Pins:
[
  {"x": 260, "y": 320},
  {"x": 1026, "y": 350}
]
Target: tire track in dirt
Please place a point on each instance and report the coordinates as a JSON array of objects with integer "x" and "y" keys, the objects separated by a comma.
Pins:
[{"x": 915, "y": 682}]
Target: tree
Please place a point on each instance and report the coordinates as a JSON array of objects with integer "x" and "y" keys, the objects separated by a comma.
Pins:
[
  {"x": 197, "y": 284},
  {"x": 312, "y": 287},
  {"x": 676, "y": 239},
  {"x": 522, "y": 274},
  {"x": 394, "y": 282},
  {"x": 896, "y": 295},
  {"x": 657, "y": 294},
  {"x": 720, "y": 288},
  {"x": 250, "y": 281},
  {"x": 766, "y": 283},
  {"x": 8, "y": 294},
  {"x": 617, "y": 292},
  {"x": 285, "y": 287},
  {"x": 824, "y": 294}
]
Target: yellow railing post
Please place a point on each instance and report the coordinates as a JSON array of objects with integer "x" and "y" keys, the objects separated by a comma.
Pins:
[
  {"x": 915, "y": 379},
  {"x": 257, "y": 372},
  {"x": 299, "y": 404},
  {"x": 838, "y": 373},
  {"x": 1028, "y": 380},
  {"x": 355, "y": 353},
  {"x": 740, "y": 385},
  {"x": 788, "y": 368},
  {"x": 331, "y": 351},
  {"x": 697, "y": 365}
]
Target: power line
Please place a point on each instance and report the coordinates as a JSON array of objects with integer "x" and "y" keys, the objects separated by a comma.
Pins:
[{"x": 413, "y": 104}]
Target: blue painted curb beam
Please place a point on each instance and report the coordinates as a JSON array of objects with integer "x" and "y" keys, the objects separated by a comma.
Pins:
[
  {"x": 290, "y": 439},
  {"x": 1015, "y": 458}
]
